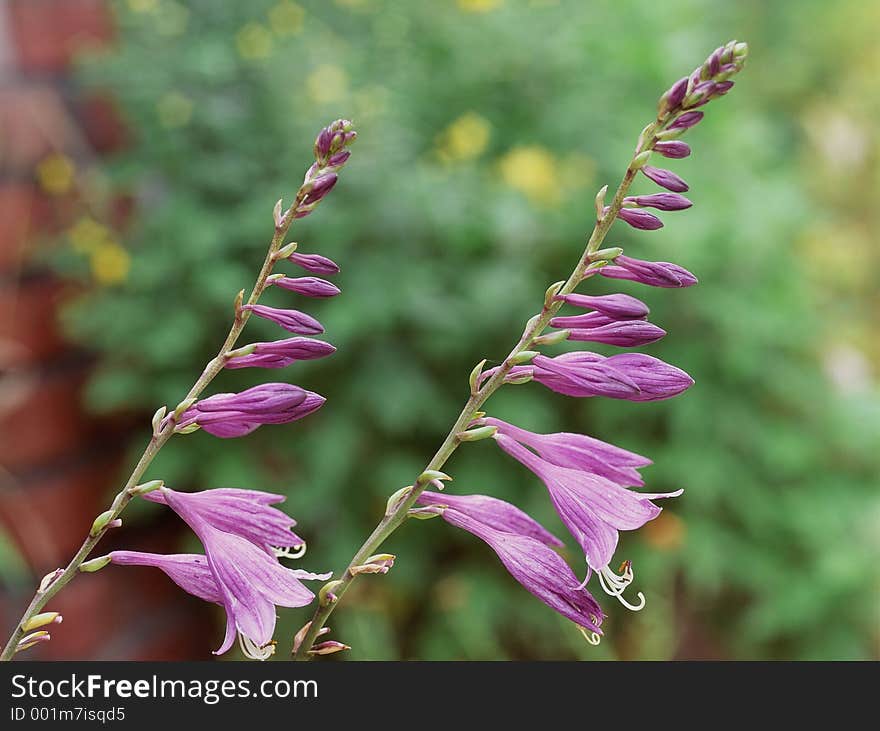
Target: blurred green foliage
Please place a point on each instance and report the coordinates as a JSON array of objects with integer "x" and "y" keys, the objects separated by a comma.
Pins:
[{"x": 485, "y": 129}]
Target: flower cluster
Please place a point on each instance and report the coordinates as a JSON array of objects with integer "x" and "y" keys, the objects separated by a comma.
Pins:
[
  {"x": 591, "y": 483},
  {"x": 242, "y": 534}
]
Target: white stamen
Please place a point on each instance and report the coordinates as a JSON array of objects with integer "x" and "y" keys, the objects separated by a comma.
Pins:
[
  {"x": 591, "y": 637},
  {"x": 615, "y": 584},
  {"x": 253, "y": 651},
  {"x": 290, "y": 551}
]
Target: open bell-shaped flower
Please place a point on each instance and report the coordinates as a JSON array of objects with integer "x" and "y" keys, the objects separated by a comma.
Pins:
[{"x": 534, "y": 564}]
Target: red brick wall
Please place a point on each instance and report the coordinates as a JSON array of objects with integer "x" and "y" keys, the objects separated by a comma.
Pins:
[{"x": 58, "y": 464}]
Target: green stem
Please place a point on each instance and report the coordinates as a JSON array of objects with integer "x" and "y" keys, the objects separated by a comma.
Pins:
[
  {"x": 393, "y": 519},
  {"x": 124, "y": 496}
]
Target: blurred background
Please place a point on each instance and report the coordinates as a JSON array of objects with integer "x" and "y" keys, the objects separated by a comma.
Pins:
[{"x": 143, "y": 144}]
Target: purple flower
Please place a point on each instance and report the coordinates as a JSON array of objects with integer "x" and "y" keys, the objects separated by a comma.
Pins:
[
  {"x": 578, "y": 452},
  {"x": 590, "y": 319},
  {"x": 654, "y": 273},
  {"x": 616, "y": 306},
  {"x": 539, "y": 569},
  {"x": 308, "y": 286},
  {"x": 291, "y": 320},
  {"x": 687, "y": 120},
  {"x": 640, "y": 219},
  {"x": 494, "y": 513},
  {"x": 665, "y": 179},
  {"x": 320, "y": 187},
  {"x": 661, "y": 201},
  {"x": 280, "y": 353},
  {"x": 674, "y": 149},
  {"x": 629, "y": 376},
  {"x": 582, "y": 374},
  {"x": 593, "y": 508},
  {"x": 656, "y": 380},
  {"x": 676, "y": 93},
  {"x": 229, "y": 415},
  {"x": 722, "y": 87},
  {"x": 188, "y": 570},
  {"x": 246, "y": 513},
  {"x": 625, "y": 334},
  {"x": 315, "y": 263},
  {"x": 250, "y": 581}
]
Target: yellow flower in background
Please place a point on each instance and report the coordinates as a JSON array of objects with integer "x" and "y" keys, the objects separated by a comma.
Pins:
[
  {"x": 87, "y": 234},
  {"x": 143, "y": 6},
  {"x": 464, "y": 139},
  {"x": 286, "y": 18},
  {"x": 109, "y": 263},
  {"x": 533, "y": 171},
  {"x": 327, "y": 84},
  {"x": 479, "y": 6},
  {"x": 55, "y": 174},
  {"x": 254, "y": 42},
  {"x": 174, "y": 109}
]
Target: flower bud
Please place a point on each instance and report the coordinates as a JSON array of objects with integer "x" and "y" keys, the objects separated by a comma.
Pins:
[
  {"x": 41, "y": 620},
  {"x": 326, "y": 593},
  {"x": 675, "y": 149},
  {"x": 474, "y": 377},
  {"x": 328, "y": 648},
  {"x": 431, "y": 475},
  {"x": 551, "y": 338},
  {"x": 665, "y": 179},
  {"x": 101, "y": 522},
  {"x": 96, "y": 564},
  {"x": 30, "y": 640},
  {"x": 524, "y": 356},
  {"x": 475, "y": 435}
]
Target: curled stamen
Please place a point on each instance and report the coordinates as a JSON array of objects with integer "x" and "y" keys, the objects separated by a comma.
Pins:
[
  {"x": 614, "y": 585},
  {"x": 253, "y": 651},
  {"x": 591, "y": 637},
  {"x": 290, "y": 551}
]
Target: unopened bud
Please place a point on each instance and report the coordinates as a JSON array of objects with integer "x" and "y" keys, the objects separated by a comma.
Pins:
[
  {"x": 600, "y": 200},
  {"x": 474, "y": 378},
  {"x": 326, "y": 593},
  {"x": 431, "y": 475},
  {"x": 380, "y": 563},
  {"x": 146, "y": 487},
  {"x": 41, "y": 620},
  {"x": 552, "y": 338},
  {"x": 96, "y": 564},
  {"x": 639, "y": 161},
  {"x": 524, "y": 356},
  {"x": 475, "y": 435},
  {"x": 33, "y": 639},
  {"x": 551, "y": 292},
  {"x": 49, "y": 579},
  {"x": 608, "y": 254},
  {"x": 276, "y": 214},
  {"x": 395, "y": 500},
  {"x": 285, "y": 251},
  {"x": 157, "y": 418},
  {"x": 328, "y": 648},
  {"x": 101, "y": 522}
]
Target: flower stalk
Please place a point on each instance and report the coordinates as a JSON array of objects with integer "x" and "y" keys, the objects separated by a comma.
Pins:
[
  {"x": 674, "y": 117},
  {"x": 319, "y": 179}
]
